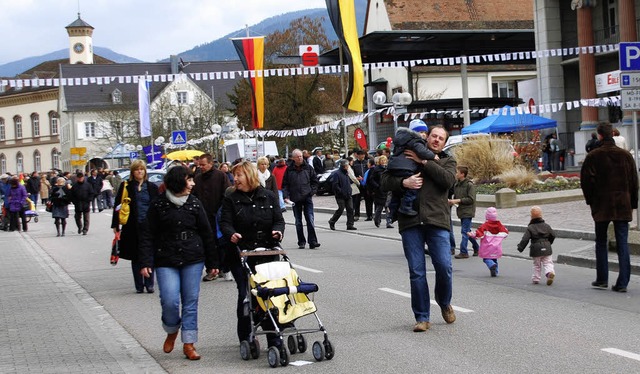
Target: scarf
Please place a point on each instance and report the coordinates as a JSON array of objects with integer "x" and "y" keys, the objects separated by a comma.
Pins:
[
  {"x": 177, "y": 201},
  {"x": 263, "y": 177}
]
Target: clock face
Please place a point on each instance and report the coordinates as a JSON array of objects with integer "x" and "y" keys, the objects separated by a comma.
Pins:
[{"x": 78, "y": 47}]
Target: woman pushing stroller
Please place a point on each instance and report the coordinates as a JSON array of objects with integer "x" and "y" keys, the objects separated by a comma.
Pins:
[{"x": 251, "y": 218}]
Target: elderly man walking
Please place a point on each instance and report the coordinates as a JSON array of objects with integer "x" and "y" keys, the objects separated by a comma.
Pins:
[
  {"x": 298, "y": 187},
  {"x": 431, "y": 226},
  {"x": 609, "y": 182}
]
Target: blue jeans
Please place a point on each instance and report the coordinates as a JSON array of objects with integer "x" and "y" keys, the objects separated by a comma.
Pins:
[
  {"x": 437, "y": 239},
  {"x": 452, "y": 238},
  {"x": 281, "y": 199},
  {"x": 180, "y": 284},
  {"x": 621, "y": 229},
  {"x": 305, "y": 206},
  {"x": 490, "y": 262},
  {"x": 465, "y": 224}
]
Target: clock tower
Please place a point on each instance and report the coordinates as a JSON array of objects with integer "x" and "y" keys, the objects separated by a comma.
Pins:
[{"x": 80, "y": 42}]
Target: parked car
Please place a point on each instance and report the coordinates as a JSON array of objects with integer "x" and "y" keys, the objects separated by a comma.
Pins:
[
  {"x": 324, "y": 187},
  {"x": 154, "y": 176}
]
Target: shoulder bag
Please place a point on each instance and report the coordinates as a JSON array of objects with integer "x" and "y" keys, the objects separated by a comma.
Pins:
[{"x": 123, "y": 212}]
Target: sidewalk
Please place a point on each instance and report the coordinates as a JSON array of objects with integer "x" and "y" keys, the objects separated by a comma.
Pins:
[
  {"x": 570, "y": 220},
  {"x": 49, "y": 324}
]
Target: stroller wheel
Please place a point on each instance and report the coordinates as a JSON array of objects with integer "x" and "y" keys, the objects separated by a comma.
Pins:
[
  {"x": 35, "y": 219},
  {"x": 328, "y": 350},
  {"x": 255, "y": 348},
  {"x": 292, "y": 345},
  {"x": 245, "y": 350},
  {"x": 302, "y": 344},
  {"x": 318, "y": 351},
  {"x": 273, "y": 357},
  {"x": 284, "y": 355}
]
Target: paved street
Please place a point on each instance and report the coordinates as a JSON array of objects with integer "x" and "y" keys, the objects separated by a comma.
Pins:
[{"x": 65, "y": 309}]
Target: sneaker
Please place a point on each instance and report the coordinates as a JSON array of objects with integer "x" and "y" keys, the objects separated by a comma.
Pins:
[
  {"x": 421, "y": 326},
  {"x": 493, "y": 269},
  {"x": 332, "y": 226},
  {"x": 536, "y": 282},
  {"x": 618, "y": 289},
  {"x": 209, "y": 277},
  {"x": 597, "y": 284},
  {"x": 407, "y": 211},
  {"x": 550, "y": 277},
  {"x": 461, "y": 255},
  {"x": 228, "y": 276},
  {"x": 448, "y": 315}
]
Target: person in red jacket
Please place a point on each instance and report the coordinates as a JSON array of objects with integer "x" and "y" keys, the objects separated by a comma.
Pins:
[{"x": 278, "y": 173}]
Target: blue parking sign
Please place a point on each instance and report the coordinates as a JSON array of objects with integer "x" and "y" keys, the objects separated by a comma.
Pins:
[
  {"x": 179, "y": 137},
  {"x": 629, "y": 56}
]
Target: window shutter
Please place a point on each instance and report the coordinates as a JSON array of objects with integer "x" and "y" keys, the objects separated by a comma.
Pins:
[
  {"x": 174, "y": 98},
  {"x": 190, "y": 97},
  {"x": 80, "y": 134}
]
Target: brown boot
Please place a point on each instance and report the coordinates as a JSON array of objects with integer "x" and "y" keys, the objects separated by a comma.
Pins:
[
  {"x": 169, "y": 342},
  {"x": 190, "y": 351}
]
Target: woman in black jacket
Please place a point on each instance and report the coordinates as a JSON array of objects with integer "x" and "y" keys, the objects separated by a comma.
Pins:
[
  {"x": 141, "y": 193},
  {"x": 251, "y": 218},
  {"x": 178, "y": 243}
]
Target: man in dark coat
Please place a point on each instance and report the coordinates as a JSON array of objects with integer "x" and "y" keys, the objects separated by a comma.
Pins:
[
  {"x": 360, "y": 166},
  {"x": 341, "y": 185},
  {"x": 81, "y": 195},
  {"x": 609, "y": 182},
  {"x": 299, "y": 184},
  {"x": 211, "y": 184}
]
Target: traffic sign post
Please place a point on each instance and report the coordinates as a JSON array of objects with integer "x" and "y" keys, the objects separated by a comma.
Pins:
[
  {"x": 629, "y": 55},
  {"x": 133, "y": 155},
  {"x": 179, "y": 137}
]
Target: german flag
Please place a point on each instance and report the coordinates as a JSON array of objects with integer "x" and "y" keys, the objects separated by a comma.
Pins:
[
  {"x": 343, "y": 18},
  {"x": 251, "y": 52}
]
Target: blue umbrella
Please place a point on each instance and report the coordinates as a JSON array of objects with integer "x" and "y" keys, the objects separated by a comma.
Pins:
[{"x": 509, "y": 123}]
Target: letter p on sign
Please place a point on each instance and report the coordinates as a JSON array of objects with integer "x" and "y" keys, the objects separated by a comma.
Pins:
[{"x": 630, "y": 56}]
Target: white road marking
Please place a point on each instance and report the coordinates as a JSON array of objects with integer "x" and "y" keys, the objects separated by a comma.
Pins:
[
  {"x": 300, "y": 363},
  {"x": 620, "y": 352},
  {"x": 296, "y": 266},
  {"x": 433, "y": 302}
]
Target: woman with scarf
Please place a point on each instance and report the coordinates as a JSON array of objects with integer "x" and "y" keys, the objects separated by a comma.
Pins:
[
  {"x": 60, "y": 207},
  {"x": 267, "y": 180}
]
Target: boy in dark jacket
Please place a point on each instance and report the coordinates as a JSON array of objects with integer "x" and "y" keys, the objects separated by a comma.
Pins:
[
  {"x": 541, "y": 236},
  {"x": 412, "y": 139}
]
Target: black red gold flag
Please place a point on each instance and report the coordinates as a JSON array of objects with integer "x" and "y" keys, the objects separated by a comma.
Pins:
[
  {"x": 343, "y": 18},
  {"x": 251, "y": 52}
]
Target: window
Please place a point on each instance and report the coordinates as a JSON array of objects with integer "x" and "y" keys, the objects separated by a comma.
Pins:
[
  {"x": 35, "y": 125},
  {"x": 53, "y": 123},
  {"x": 3, "y": 132},
  {"x": 19, "y": 163},
  {"x": 55, "y": 159},
  {"x": 116, "y": 96},
  {"x": 503, "y": 89},
  {"x": 182, "y": 97},
  {"x": 17, "y": 121},
  {"x": 609, "y": 10},
  {"x": 37, "y": 160},
  {"x": 3, "y": 164},
  {"x": 172, "y": 123},
  {"x": 89, "y": 129}
]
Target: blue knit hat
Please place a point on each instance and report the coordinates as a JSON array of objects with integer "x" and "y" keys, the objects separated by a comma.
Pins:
[{"x": 418, "y": 125}]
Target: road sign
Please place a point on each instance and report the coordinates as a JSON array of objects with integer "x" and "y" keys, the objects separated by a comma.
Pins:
[
  {"x": 629, "y": 56},
  {"x": 78, "y": 151},
  {"x": 631, "y": 99},
  {"x": 179, "y": 137},
  {"x": 133, "y": 155},
  {"x": 630, "y": 80}
]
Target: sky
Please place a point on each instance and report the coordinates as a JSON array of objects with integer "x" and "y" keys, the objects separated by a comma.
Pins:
[{"x": 148, "y": 30}]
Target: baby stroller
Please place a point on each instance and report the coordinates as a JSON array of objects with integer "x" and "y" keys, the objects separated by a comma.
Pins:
[
  {"x": 31, "y": 211},
  {"x": 281, "y": 299}
]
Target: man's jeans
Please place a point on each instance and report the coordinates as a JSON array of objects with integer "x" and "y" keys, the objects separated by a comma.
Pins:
[
  {"x": 180, "y": 284},
  {"x": 621, "y": 229},
  {"x": 465, "y": 228},
  {"x": 305, "y": 206},
  {"x": 437, "y": 239}
]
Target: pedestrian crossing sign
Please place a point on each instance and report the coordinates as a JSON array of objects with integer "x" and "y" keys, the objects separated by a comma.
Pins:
[{"x": 179, "y": 137}]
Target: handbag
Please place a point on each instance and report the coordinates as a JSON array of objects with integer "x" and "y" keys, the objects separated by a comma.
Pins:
[
  {"x": 48, "y": 206},
  {"x": 354, "y": 189},
  {"x": 115, "y": 249},
  {"x": 124, "y": 208}
]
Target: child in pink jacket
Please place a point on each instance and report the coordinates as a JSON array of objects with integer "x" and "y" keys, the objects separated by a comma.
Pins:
[{"x": 491, "y": 234}]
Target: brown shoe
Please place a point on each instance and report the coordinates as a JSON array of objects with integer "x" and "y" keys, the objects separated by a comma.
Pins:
[
  {"x": 190, "y": 352},
  {"x": 421, "y": 326},
  {"x": 550, "y": 277},
  {"x": 448, "y": 315},
  {"x": 169, "y": 341},
  {"x": 461, "y": 255}
]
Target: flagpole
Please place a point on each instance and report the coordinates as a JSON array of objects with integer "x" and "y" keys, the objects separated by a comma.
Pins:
[
  {"x": 344, "y": 112},
  {"x": 153, "y": 151}
]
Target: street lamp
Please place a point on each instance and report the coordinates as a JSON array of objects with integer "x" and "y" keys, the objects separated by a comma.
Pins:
[
  {"x": 216, "y": 130},
  {"x": 399, "y": 101}
]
